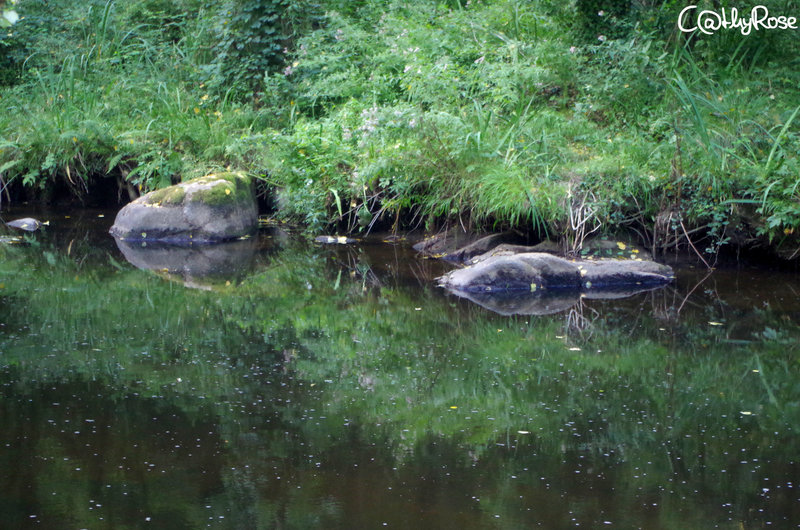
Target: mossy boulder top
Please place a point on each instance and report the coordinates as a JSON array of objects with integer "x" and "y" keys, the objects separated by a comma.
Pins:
[{"x": 217, "y": 207}]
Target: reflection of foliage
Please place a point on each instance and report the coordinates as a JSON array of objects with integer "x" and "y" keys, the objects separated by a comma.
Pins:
[{"x": 302, "y": 360}]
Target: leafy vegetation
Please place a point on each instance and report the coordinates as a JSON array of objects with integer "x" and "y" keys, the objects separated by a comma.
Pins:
[{"x": 545, "y": 116}]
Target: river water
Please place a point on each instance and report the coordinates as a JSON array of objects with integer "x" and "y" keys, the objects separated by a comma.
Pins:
[{"x": 278, "y": 383}]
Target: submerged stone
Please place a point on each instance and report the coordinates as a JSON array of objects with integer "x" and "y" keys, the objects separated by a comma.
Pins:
[
  {"x": 29, "y": 224},
  {"x": 217, "y": 207}
]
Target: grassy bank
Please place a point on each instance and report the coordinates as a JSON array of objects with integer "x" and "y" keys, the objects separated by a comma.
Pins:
[{"x": 561, "y": 119}]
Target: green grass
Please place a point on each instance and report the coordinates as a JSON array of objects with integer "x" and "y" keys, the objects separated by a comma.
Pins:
[{"x": 496, "y": 114}]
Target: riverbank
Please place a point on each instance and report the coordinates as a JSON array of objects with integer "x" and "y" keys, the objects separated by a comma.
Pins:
[{"x": 563, "y": 122}]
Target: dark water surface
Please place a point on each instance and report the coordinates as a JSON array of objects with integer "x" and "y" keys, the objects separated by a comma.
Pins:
[{"x": 276, "y": 383}]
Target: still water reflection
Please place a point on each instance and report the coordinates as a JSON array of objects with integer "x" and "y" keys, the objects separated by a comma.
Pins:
[{"x": 335, "y": 387}]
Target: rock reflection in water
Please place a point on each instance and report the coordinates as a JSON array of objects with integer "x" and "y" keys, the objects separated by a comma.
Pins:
[
  {"x": 543, "y": 302},
  {"x": 196, "y": 266}
]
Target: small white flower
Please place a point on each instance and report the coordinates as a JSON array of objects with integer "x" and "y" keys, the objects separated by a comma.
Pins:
[
  {"x": 573, "y": 49},
  {"x": 601, "y": 38},
  {"x": 412, "y": 123},
  {"x": 601, "y": 13}
]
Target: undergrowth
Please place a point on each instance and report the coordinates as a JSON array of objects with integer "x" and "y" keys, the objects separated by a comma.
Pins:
[{"x": 541, "y": 116}]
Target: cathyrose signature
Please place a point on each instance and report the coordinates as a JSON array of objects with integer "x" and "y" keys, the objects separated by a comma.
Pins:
[{"x": 709, "y": 22}]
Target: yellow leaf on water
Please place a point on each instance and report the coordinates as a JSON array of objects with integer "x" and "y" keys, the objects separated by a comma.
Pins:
[
  {"x": 715, "y": 323},
  {"x": 621, "y": 245}
]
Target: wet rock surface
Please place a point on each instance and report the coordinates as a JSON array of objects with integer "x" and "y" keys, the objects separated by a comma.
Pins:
[
  {"x": 533, "y": 271},
  {"x": 28, "y": 224},
  {"x": 459, "y": 247}
]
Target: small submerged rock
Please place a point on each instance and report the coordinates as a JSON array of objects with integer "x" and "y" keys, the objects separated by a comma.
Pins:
[
  {"x": 29, "y": 224},
  {"x": 210, "y": 209}
]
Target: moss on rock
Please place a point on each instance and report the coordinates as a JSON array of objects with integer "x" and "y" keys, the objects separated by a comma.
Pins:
[
  {"x": 215, "y": 207},
  {"x": 172, "y": 195}
]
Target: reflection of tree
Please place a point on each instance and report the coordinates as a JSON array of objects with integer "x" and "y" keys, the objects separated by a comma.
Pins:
[
  {"x": 577, "y": 323},
  {"x": 299, "y": 365}
]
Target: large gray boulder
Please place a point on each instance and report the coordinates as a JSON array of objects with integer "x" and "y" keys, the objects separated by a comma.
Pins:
[
  {"x": 532, "y": 272},
  {"x": 214, "y": 208}
]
